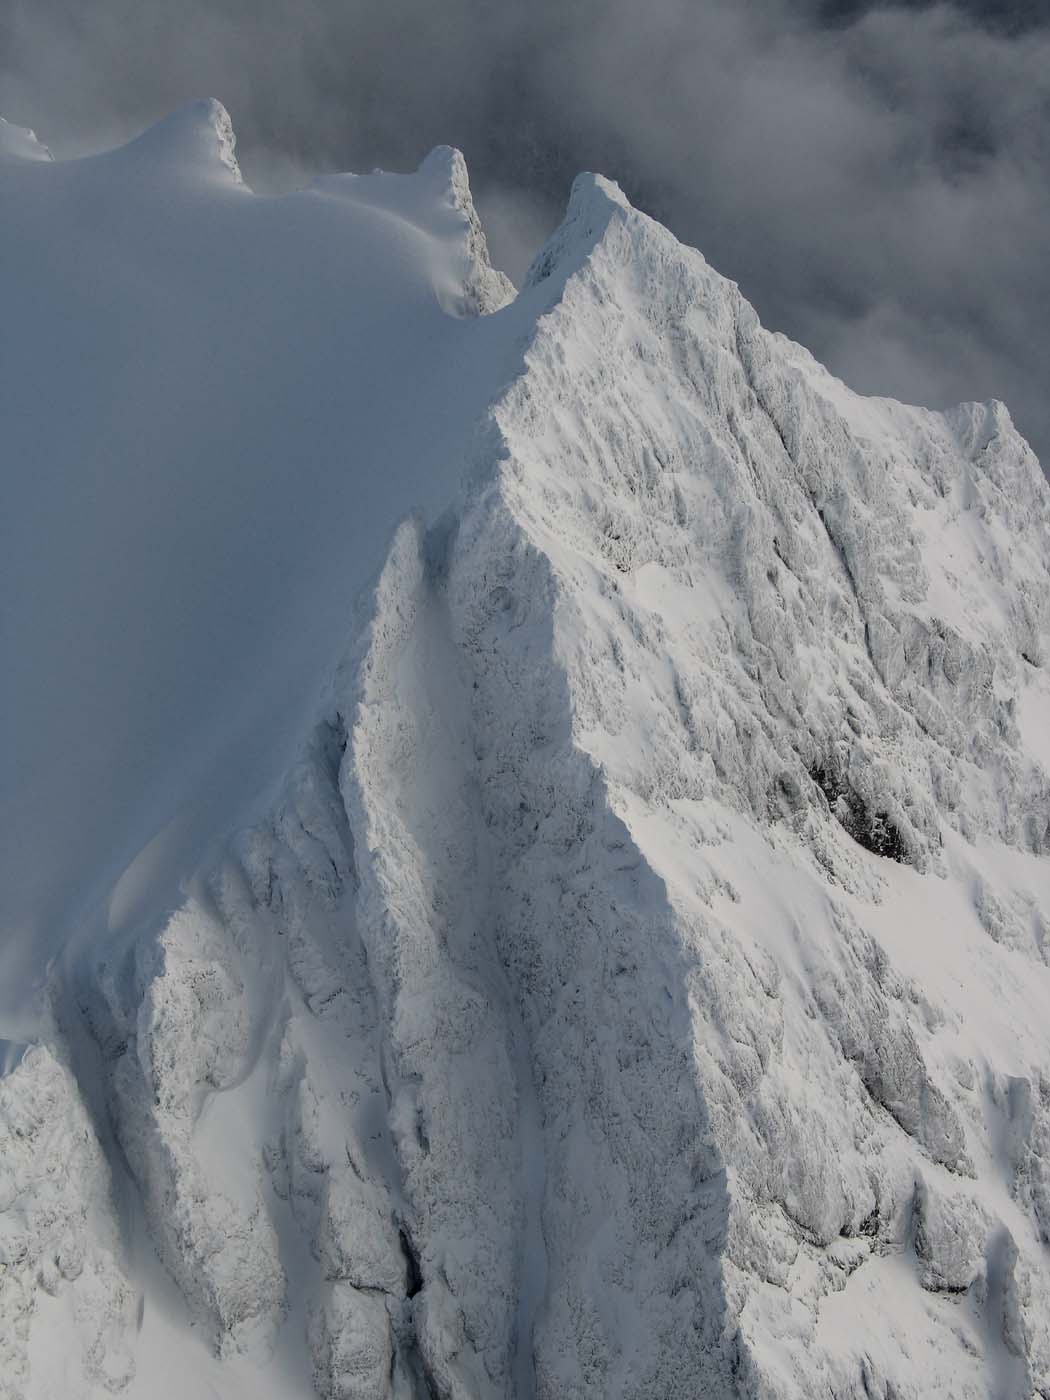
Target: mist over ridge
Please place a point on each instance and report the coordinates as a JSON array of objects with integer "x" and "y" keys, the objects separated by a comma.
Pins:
[{"x": 875, "y": 177}]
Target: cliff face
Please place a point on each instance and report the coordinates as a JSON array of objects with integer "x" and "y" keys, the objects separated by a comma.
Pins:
[{"x": 634, "y": 979}]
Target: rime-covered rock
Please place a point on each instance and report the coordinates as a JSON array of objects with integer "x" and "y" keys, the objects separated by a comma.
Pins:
[{"x": 626, "y": 971}]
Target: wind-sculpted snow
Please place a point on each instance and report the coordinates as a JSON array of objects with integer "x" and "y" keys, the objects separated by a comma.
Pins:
[{"x": 637, "y": 982}]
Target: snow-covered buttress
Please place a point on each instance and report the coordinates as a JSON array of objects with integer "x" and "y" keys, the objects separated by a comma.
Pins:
[{"x": 527, "y": 817}]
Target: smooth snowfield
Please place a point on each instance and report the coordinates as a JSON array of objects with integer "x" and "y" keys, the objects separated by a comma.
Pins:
[
  {"x": 530, "y": 859},
  {"x": 216, "y": 407}
]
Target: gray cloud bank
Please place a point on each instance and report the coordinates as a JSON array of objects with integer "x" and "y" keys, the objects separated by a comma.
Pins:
[{"x": 875, "y": 177}]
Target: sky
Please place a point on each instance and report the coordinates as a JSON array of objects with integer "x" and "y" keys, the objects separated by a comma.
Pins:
[{"x": 874, "y": 176}]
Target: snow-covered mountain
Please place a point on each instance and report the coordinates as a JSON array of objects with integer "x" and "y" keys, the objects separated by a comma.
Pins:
[{"x": 526, "y": 862}]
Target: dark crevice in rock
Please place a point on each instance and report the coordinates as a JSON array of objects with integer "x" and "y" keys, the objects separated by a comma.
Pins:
[
  {"x": 870, "y": 828},
  {"x": 413, "y": 1273}
]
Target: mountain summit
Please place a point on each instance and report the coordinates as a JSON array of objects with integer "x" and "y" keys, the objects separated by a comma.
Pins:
[{"x": 527, "y": 817}]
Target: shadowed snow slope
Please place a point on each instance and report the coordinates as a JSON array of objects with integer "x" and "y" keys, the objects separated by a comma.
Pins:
[{"x": 527, "y": 835}]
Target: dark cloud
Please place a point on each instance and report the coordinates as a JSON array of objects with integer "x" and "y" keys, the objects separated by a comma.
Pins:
[
  {"x": 996, "y": 16},
  {"x": 875, "y": 176}
]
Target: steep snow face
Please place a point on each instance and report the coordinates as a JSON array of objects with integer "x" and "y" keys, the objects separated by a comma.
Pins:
[
  {"x": 617, "y": 961},
  {"x": 216, "y": 407}
]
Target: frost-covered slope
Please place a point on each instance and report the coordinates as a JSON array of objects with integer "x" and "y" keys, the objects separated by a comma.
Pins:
[{"x": 590, "y": 940}]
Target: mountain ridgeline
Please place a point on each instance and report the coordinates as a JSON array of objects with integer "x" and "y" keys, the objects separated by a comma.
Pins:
[{"x": 530, "y": 842}]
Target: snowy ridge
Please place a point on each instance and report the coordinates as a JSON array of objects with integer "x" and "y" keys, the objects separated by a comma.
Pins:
[
  {"x": 194, "y": 144},
  {"x": 637, "y": 984},
  {"x": 19, "y": 143}
]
